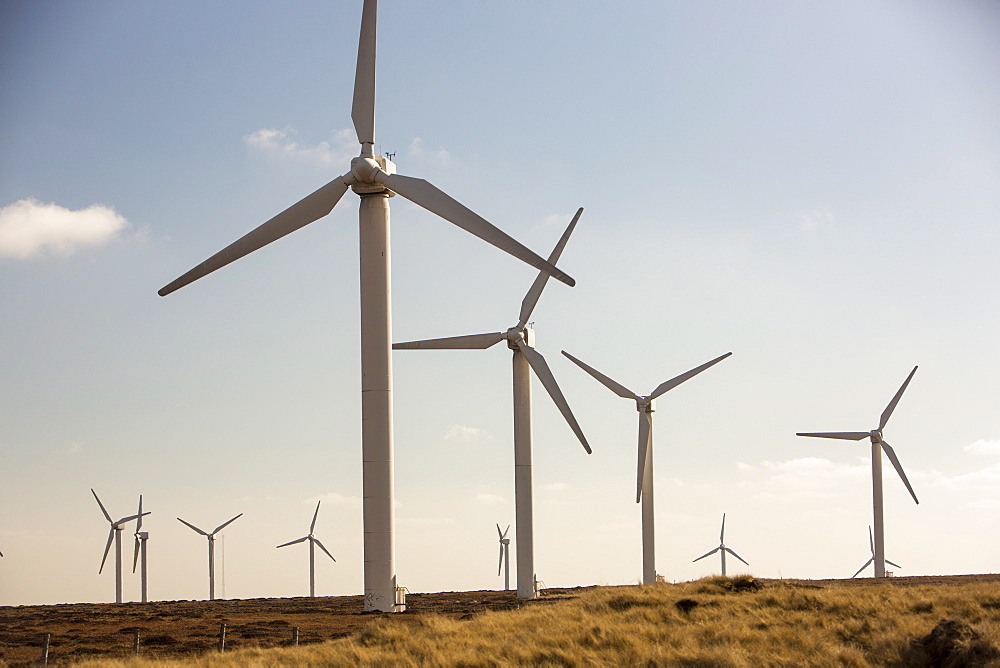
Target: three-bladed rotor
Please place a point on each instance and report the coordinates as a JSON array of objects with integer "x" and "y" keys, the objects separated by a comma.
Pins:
[
  {"x": 504, "y": 541},
  {"x": 211, "y": 536},
  {"x": 875, "y": 435},
  {"x": 115, "y": 526},
  {"x": 311, "y": 537},
  {"x": 871, "y": 544},
  {"x": 722, "y": 545}
]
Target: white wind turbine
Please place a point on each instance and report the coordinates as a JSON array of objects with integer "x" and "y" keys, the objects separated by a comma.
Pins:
[
  {"x": 313, "y": 542},
  {"x": 521, "y": 340},
  {"x": 644, "y": 479},
  {"x": 374, "y": 179},
  {"x": 504, "y": 557},
  {"x": 115, "y": 534},
  {"x": 871, "y": 544},
  {"x": 211, "y": 551},
  {"x": 140, "y": 547},
  {"x": 722, "y": 549},
  {"x": 878, "y": 445}
]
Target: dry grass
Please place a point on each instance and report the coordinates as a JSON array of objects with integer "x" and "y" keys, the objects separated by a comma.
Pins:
[{"x": 710, "y": 622}]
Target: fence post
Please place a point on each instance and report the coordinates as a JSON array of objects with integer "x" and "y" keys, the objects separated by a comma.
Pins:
[
  {"x": 135, "y": 643},
  {"x": 45, "y": 649},
  {"x": 295, "y": 636},
  {"x": 222, "y": 637}
]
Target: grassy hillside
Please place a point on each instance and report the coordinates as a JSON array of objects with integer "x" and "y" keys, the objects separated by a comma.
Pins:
[{"x": 711, "y": 622}]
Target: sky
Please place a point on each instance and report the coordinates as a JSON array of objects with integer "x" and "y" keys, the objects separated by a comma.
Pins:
[{"x": 810, "y": 186}]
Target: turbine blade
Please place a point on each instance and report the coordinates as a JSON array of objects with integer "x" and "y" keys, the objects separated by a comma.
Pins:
[
  {"x": 843, "y": 435},
  {"x": 363, "y": 108},
  {"x": 293, "y": 542},
  {"x": 107, "y": 548},
  {"x": 737, "y": 556},
  {"x": 722, "y": 534},
  {"x": 499, "y": 533},
  {"x": 500, "y": 565},
  {"x": 103, "y": 509},
  {"x": 468, "y": 342},
  {"x": 863, "y": 567},
  {"x": 423, "y": 193},
  {"x": 674, "y": 382},
  {"x": 505, "y": 531},
  {"x": 135, "y": 556},
  {"x": 535, "y": 291},
  {"x": 544, "y": 373},
  {"x": 138, "y": 525},
  {"x": 612, "y": 385},
  {"x": 893, "y": 563},
  {"x": 226, "y": 523},
  {"x": 644, "y": 429},
  {"x": 871, "y": 541},
  {"x": 316, "y": 540},
  {"x": 311, "y": 208},
  {"x": 895, "y": 400},
  {"x": 312, "y": 527},
  {"x": 707, "y": 554},
  {"x": 891, "y": 454},
  {"x": 192, "y": 526},
  {"x": 126, "y": 520}
]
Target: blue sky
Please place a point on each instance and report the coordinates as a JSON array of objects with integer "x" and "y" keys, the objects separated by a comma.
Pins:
[{"x": 813, "y": 187}]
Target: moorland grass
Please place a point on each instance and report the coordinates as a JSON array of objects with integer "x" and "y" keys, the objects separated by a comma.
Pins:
[{"x": 709, "y": 622}]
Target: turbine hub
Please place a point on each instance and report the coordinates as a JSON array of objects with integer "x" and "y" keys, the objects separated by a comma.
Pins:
[
  {"x": 366, "y": 169},
  {"x": 525, "y": 335},
  {"x": 876, "y": 435},
  {"x": 645, "y": 406}
]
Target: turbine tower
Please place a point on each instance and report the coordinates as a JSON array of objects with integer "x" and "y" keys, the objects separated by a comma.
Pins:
[
  {"x": 211, "y": 551},
  {"x": 374, "y": 178},
  {"x": 504, "y": 557},
  {"x": 521, "y": 340},
  {"x": 871, "y": 544},
  {"x": 644, "y": 479},
  {"x": 313, "y": 542},
  {"x": 140, "y": 548},
  {"x": 722, "y": 549},
  {"x": 115, "y": 534},
  {"x": 878, "y": 445}
]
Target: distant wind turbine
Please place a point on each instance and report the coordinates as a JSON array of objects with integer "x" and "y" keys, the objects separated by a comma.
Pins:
[
  {"x": 374, "y": 178},
  {"x": 521, "y": 340},
  {"x": 644, "y": 482},
  {"x": 722, "y": 549},
  {"x": 115, "y": 534},
  {"x": 211, "y": 550},
  {"x": 871, "y": 544},
  {"x": 313, "y": 542},
  {"x": 140, "y": 547},
  {"x": 504, "y": 557},
  {"x": 878, "y": 445}
]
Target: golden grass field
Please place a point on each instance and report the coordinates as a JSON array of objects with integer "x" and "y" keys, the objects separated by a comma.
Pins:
[{"x": 710, "y": 622}]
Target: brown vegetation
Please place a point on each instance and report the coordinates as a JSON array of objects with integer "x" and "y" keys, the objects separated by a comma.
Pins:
[{"x": 710, "y": 622}]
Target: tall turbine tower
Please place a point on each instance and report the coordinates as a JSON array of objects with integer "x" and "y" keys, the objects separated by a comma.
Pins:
[
  {"x": 878, "y": 445},
  {"x": 140, "y": 548},
  {"x": 504, "y": 557},
  {"x": 644, "y": 480},
  {"x": 115, "y": 534},
  {"x": 313, "y": 542},
  {"x": 722, "y": 549},
  {"x": 374, "y": 178},
  {"x": 521, "y": 340},
  {"x": 211, "y": 550},
  {"x": 871, "y": 544}
]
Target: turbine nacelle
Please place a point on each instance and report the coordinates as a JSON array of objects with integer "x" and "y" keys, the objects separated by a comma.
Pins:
[
  {"x": 875, "y": 435},
  {"x": 644, "y": 405},
  {"x": 365, "y": 173},
  {"x": 520, "y": 336}
]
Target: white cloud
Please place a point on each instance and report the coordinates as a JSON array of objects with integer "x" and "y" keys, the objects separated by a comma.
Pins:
[
  {"x": 815, "y": 219},
  {"x": 983, "y": 447},
  {"x": 29, "y": 228},
  {"x": 813, "y": 476},
  {"x": 417, "y": 150},
  {"x": 335, "y": 499},
  {"x": 462, "y": 434},
  {"x": 490, "y": 499},
  {"x": 282, "y": 143},
  {"x": 560, "y": 220},
  {"x": 987, "y": 477},
  {"x": 556, "y": 486}
]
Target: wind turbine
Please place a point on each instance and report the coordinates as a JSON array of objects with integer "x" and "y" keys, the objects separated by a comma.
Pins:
[
  {"x": 644, "y": 479},
  {"x": 871, "y": 544},
  {"x": 374, "y": 178},
  {"x": 722, "y": 549},
  {"x": 878, "y": 445},
  {"x": 521, "y": 340},
  {"x": 115, "y": 534},
  {"x": 504, "y": 557},
  {"x": 140, "y": 546},
  {"x": 313, "y": 542},
  {"x": 211, "y": 551}
]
